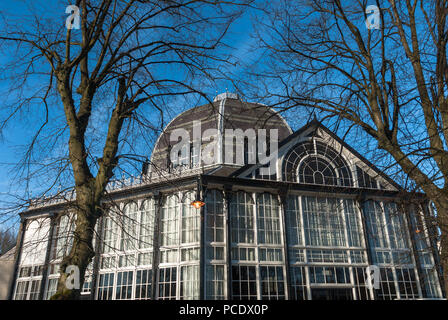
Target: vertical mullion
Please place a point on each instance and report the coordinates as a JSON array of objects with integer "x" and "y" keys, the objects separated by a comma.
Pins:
[
  {"x": 286, "y": 270},
  {"x": 226, "y": 207},
  {"x": 387, "y": 236},
  {"x": 360, "y": 208},
  {"x": 158, "y": 202},
  {"x": 44, "y": 280},
  {"x": 201, "y": 267},
  {"x": 180, "y": 220},
  {"x": 305, "y": 251},
  {"x": 253, "y": 195}
]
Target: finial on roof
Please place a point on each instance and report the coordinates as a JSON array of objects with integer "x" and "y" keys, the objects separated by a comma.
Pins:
[{"x": 226, "y": 95}]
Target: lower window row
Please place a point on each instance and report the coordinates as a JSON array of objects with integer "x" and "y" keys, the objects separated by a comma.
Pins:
[
  {"x": 122, "y": 285},
  {"x": 247, "y": 282},
  {"x": 316, "y": 283}
]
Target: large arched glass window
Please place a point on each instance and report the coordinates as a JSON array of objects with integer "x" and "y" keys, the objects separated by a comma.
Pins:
[
  {"x": 314, "y": 162},
  {"x": 34, "y": 248},
  {"x": 317, "y": 170},
  {"x": 242, "y": 218}
]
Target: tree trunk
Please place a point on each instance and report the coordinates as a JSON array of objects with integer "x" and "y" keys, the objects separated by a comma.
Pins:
[
  {"x": 442, "y": 223},
  {"x": 89, "y": 189},
  {"x": 82, "y": 252}
]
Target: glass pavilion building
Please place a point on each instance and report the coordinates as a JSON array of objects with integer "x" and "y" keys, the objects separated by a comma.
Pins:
[{"x": 307, "y": 230}]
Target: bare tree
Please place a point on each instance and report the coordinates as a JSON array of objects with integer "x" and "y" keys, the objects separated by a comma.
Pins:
[
  {"x": 387, "y": 77},
  {"x": 103, "y": 86},
  {"x": 7, "y": 240}
]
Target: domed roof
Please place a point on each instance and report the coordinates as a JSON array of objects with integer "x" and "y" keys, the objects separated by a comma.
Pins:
[{"x": 226, "y": 112}]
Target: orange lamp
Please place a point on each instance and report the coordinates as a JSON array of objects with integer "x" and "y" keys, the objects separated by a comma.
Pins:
[{"x": 198, "y": 204}]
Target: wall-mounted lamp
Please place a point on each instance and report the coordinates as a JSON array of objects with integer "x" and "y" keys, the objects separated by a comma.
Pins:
[{"x": 198, "y": 203}]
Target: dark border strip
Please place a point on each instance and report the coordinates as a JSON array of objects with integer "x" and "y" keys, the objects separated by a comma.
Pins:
[
  {"x": 43, "y": 284},
  {"x": 293, "y": 186},
  {"x": 18, "y": 255}
]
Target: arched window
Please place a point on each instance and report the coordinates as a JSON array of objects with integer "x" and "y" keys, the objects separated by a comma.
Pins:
[
  {"x": 314, "y": 162},
  {"x": 317, "y": 170}
]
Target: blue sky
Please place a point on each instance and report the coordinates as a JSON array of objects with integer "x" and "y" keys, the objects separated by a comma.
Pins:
[{"x": 19, "y": 132}]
